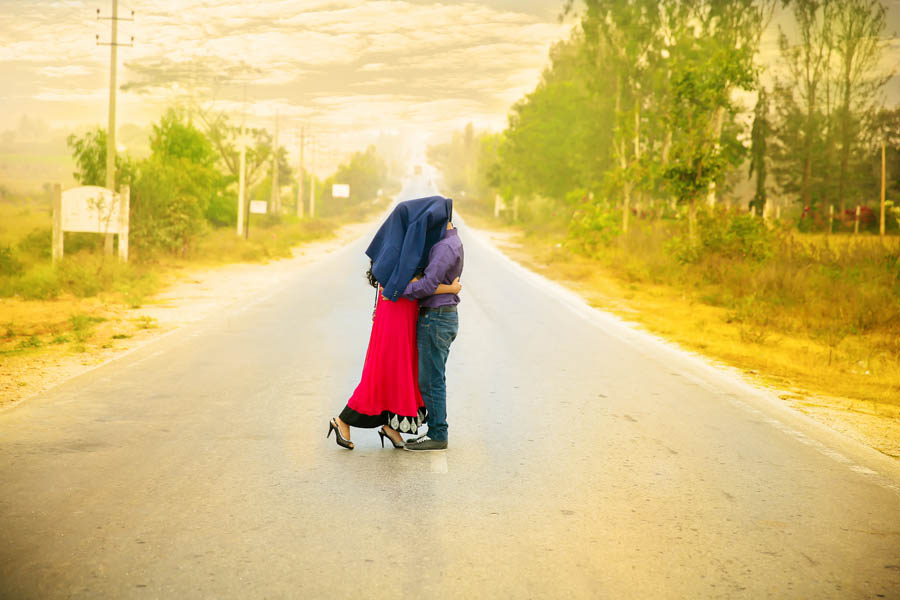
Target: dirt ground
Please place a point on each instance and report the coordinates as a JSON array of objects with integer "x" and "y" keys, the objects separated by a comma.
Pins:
[
  {"x": 874, "y": 424},
  {"x": 191, "y": 296}
]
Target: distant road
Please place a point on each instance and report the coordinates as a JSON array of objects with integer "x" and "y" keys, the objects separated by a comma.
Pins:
[{"x": 585, "y": 461}]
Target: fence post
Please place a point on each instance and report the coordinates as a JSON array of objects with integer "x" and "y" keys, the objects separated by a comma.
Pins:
[
  {"x": 856, "y": 221},
  {"x": 57, "y": 242},
  {"x": 124, "y": 207},
  {"x": 830, "y": 219}
]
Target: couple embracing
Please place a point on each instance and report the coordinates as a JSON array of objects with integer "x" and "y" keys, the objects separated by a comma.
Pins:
[{"x": 417, "y": 259}]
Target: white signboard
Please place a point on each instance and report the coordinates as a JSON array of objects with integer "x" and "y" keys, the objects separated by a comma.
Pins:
[
  {"x": 258, "y": 207},
  {"x": 91, "y": 209},
  {"x": 340, "y": 190}
]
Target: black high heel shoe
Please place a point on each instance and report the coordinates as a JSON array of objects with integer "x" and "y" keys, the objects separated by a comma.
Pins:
[
  {"x": 382, "y": 435},
  {"x": 340, "y": 439}
]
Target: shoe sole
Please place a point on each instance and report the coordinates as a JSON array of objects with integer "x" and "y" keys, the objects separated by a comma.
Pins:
[{"x": 424, "y": 449}]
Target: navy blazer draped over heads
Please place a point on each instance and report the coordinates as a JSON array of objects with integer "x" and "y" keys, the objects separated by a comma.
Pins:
[{"x": 400, "y": 247}]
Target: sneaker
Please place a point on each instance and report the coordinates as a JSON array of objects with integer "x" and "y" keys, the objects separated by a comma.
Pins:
[
  {"x": 425, "y": 444},
  {"x": 416, "y": 439}
]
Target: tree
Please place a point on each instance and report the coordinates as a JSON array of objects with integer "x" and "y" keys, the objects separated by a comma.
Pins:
[
  {"x": 858, "y": 44},
  {"x": 177, "y": 185},
  {"x": 223, "y": 136},
  {"x": 89, "y": 152},
  {"x": 700, "y": 85},
  {"x": 759, "y": 150},
  {"x": 627, "y": 34},
  {"x": 803, "y": 139}
]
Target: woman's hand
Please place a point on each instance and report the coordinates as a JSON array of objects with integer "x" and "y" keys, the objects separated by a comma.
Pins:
[
  {"x": 456, "y": 286},
  {"x": 453, "y": 288}
]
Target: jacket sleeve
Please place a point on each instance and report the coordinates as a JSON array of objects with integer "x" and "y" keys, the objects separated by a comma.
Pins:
[{"x": 410, "y": 254}]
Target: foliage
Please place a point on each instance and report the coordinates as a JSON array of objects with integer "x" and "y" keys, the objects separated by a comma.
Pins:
[
  {"x": 593, "y": 227},
  {"x": 366, "y": 173},
  {"x": 89, "y": 151},
  {"x": 9, "y": 264},
  {"x": 825, "y": 93},
  {"x": 741, "y": 237},
  {"x": 176, "y": 186},
  {"x": 38, "y": 243}
]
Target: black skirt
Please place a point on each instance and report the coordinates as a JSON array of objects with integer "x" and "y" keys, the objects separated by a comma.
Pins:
[{"x": 394, "y": 421}]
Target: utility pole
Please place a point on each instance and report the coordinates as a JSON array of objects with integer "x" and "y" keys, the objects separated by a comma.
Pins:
[
  {"x": 242, "y": 143},
  {"x": 111, "y": 128},
  {"x": 300, "y": 174},
  {"x": 312, "y": 180},
  {"x": 275, "y": 203},
  {"x": 881, "y": 228}
]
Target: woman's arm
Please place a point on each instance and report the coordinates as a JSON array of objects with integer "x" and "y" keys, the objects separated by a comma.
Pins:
[{"x": 453, "y": 288}]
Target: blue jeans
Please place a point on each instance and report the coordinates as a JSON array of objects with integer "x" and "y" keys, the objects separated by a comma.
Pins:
[{"x": 435, "y": 331}]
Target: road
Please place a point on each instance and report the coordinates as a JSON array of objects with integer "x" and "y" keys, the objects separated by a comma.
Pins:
[{"x": 586, "y": 460}]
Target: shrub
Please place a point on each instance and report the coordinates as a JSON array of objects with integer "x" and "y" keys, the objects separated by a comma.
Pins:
[
  {"x": 593, "y": 228},
  {"x": 38, "y": 243},
  {"x": 10, "y": 266},
  {"x": 84, "y": 278},
  {"x": 40, "y": 283}
]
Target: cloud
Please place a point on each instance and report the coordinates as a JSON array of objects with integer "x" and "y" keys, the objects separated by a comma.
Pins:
[
  {"x": 66, "y": 71},
  {"x": 334, "y": 64}
]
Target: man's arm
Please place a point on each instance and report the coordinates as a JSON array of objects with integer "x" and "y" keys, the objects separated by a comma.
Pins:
[{"x": 435, "y": 272}]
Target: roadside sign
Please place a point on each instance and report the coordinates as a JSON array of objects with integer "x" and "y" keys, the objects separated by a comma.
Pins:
[
  {"x": 90, "y": 209},
  {"x": 340, "y": 190},
  {"x": 258, "y": 207}
]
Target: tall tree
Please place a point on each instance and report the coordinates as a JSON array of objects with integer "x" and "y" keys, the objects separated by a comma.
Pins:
[
  {"x": 759, "y": 134},
  {"x": 803, "y": 98},
  {"x": 858, "y": 44}
]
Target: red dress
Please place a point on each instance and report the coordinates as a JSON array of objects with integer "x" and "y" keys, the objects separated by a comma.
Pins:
[{"x": 388, "y": 392}]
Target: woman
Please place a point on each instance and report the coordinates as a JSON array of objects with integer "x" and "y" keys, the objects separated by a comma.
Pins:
[{"x": 388, "y": 392}]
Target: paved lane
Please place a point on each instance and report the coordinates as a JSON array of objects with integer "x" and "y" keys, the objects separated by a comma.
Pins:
[{"x": 585, "y": 461}]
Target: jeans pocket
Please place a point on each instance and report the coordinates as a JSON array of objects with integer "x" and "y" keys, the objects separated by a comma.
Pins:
[{"x": 445, "y": 332}]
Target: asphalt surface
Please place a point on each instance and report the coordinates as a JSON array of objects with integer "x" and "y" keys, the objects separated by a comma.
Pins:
[{"x": 586, "y": 460}]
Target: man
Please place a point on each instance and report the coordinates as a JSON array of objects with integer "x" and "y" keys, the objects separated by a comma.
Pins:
[{"x": 436, "y": 329}]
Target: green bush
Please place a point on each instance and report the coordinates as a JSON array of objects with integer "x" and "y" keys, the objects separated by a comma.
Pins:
[
  {"x": 222, "y": 209},
  {"x": 40, "y": 283},
  {"x": 76, "y": 242},
  {"x": 593, "y": 228},
  {"x": 38, "y": 243},
  {"x": 10, "y": 266},
  {"x": 740, "y": 236},
  {"x": 82, "y": 277}
]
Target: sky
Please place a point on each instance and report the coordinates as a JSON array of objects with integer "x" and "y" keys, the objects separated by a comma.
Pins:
[{"x": 350, "y": 72}]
